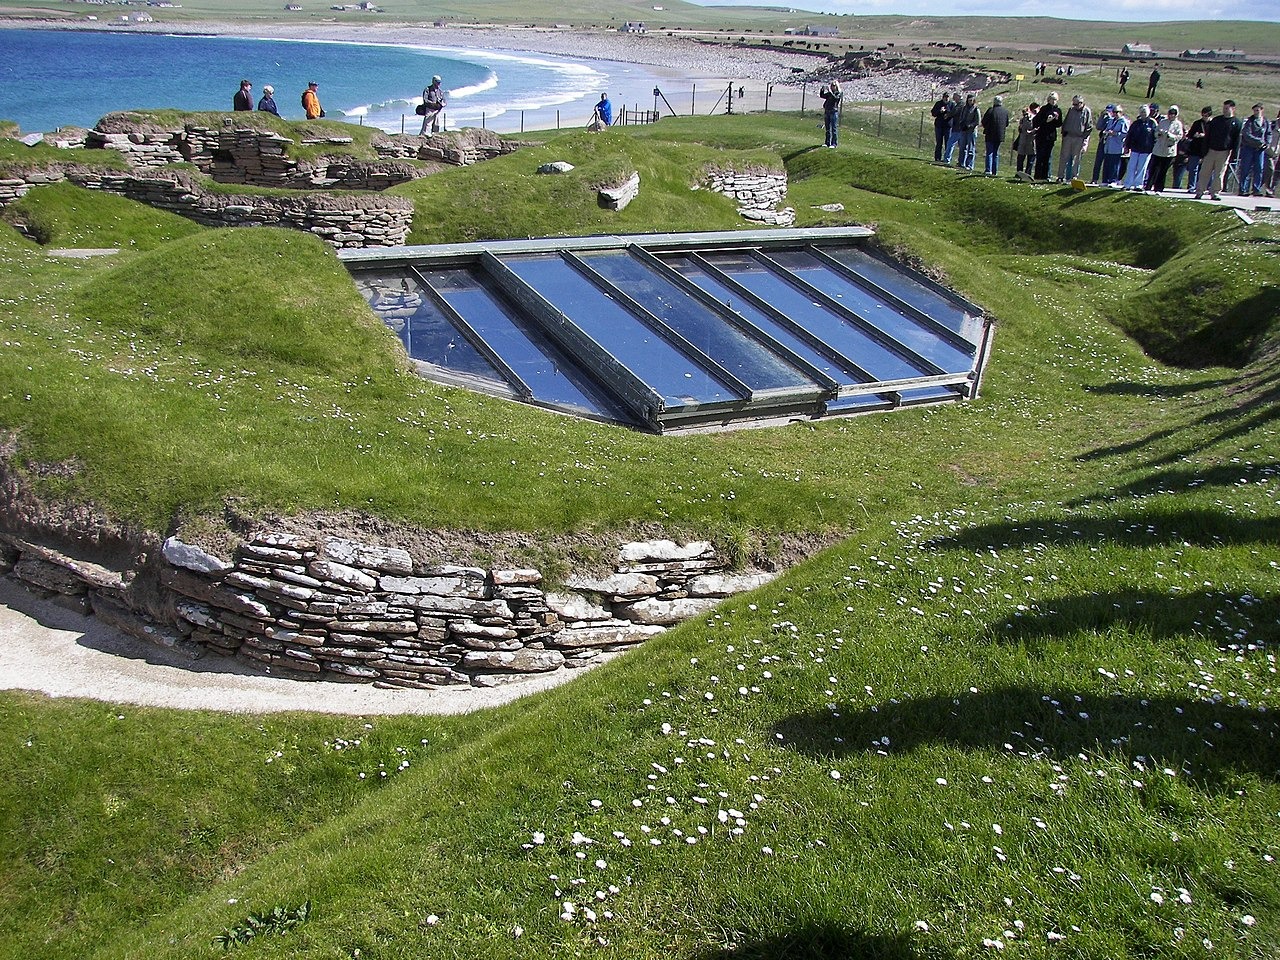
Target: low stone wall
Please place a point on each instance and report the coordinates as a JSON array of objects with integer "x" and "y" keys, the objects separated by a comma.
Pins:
[
  {"x": 341, "y": 220},
  {"x": 759, "y": 195},
  {"x": 332, "y": 608}
]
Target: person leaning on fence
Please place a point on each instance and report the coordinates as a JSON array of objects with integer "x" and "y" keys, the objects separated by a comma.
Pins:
[
  {"x": 432, "y": 104},
  {"x": 831, "y": 97}
]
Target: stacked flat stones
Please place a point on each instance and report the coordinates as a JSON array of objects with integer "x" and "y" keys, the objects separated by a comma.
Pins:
[
  {"x": 336, "y": 609},
  {"x": 758, "y": 195}
]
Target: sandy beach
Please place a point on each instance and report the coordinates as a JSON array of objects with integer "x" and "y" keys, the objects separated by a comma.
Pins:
[{"x": 696, "y": 77}]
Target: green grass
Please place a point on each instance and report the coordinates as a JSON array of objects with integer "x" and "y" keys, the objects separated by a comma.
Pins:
[{"x": 1059, "y": 599}]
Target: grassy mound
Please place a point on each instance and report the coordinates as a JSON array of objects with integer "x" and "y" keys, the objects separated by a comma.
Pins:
[
  {"x": 506, "y": 197},
  {"x": 66, "y": 216},
  {"x": 1030, "y": 699}
]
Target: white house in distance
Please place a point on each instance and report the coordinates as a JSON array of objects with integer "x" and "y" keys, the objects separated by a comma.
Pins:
[{"x": 1140, "y": 50}]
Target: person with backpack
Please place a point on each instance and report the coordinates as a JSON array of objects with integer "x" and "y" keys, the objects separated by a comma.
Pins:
[
  {"x": 311, "y": 102},
  {"x": 432, "y": 104},
  {"x": 1255, "y": 135}
]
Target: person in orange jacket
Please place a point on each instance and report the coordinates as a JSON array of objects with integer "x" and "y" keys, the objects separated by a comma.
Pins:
[{"x": 311, "y": 102}]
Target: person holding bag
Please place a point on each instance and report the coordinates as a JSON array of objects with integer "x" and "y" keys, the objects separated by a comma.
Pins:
[{"x": 431, "y": 107}]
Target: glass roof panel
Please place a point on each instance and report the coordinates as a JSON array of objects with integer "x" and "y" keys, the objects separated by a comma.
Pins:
[
  {"x": 839, "y": 334},
  {"x": 903, "y": 285},
  {"x": 828, "y": 362},
  {"x": 427, "y": 334},
  {"x": 875, "y": 310},
  {"x": 552, "y": 376},
  {"x": 668, "y": 371},
  {"x": 709, "y": 332}
]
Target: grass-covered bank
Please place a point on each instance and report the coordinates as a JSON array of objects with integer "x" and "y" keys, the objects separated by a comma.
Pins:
[{"x": 1042, "y": 664}]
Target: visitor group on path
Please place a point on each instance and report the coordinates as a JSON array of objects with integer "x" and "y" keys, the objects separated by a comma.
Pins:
[{"x": 1138, "y": 154}]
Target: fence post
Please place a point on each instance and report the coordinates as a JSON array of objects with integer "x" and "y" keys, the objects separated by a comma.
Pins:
[
  {"x": 482, "y": 119},
  {"x": 880, "y": 120},
  {"x": 920, "y": 138},
  {"x": 557, "y": 119},
  {"x": 402, "y": 124},
  {"x": 804, "y": 87},
  {"x": 768, "y": 89},
  {"x": 522, "y": 121},
  {"x": 693, "y": 100}
]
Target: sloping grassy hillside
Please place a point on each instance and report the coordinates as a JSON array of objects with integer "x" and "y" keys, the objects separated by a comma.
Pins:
[{"x": 1030, "y": 700}]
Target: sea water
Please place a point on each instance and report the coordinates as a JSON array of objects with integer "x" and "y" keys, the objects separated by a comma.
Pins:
[{"x": 55, "y": 78}]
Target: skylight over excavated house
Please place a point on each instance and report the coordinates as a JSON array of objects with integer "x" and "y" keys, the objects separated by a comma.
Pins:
[{"x": 680, "y": 331}]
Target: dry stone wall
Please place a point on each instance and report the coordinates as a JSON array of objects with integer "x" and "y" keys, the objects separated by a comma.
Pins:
[
  {"x": 336, "y": 609},
  {"x": 759, "y": 195}
]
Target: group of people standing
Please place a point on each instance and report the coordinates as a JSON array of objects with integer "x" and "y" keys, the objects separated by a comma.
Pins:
[
  {"x": 243, "y": 100},
  {"x": 1136, "y": 154}
]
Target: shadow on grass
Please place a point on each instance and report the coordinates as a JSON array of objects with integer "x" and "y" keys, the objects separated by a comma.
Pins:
[
  {"x": 1182, "y": 480},
  {"x": 1210, "y": 743},
  {"x": 1233, "y": 620},
  {"x": 1144, "y": 528},
  {"x": 1163, "y": 391},
  {"x": 817, "y": 940}
]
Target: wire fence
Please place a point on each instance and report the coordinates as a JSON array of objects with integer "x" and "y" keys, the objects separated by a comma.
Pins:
[{"x": 906, "y": 125}]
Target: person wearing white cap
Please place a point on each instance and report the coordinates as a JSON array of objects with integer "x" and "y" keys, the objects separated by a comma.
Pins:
[
  {"x": 267, "y": 104},
  {"x": 432, "y": 105}
]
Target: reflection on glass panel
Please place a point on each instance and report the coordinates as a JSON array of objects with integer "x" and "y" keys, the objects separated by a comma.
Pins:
[
  {"x": 841, "y": 335},
  {"x": 709, "y": 332},
  {"x": 676, "y": 378},
  {"x": 830, "y": 364},
  {"x": 427, "y": 334},
  {"x": 929, "y": 393},
  {"x": 876, "y": 311},
  {"x": 861, "y": 401},
  {"x": 550, "y": 375},
  {"x": 887, "y": 277}
]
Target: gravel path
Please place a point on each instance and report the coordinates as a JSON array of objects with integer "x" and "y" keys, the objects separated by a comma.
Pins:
[{"x": 50, "y": 650}]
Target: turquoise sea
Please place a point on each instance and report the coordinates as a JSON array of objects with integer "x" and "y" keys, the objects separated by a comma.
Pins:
[{"x": 53, "y": 78}]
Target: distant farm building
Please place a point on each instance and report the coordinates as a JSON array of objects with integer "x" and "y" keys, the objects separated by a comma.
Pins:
[
  {"x": 1212, "y": 55},
  {"x": 1138, "y": 50},
  {"x": 633, "y": 26},
  {"x": 813, "y": 30}
]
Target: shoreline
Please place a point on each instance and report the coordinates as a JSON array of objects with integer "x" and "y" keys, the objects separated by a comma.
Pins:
[{"x": 694, "y": 76}]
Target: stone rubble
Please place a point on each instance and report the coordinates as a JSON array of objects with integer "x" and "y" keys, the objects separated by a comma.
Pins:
[
  {"x": 337, "y": 609},
  {"x": 758, "y": 194}
]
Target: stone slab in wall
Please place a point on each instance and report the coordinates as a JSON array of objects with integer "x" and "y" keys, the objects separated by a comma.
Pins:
[{"x": 333, "y": 608}]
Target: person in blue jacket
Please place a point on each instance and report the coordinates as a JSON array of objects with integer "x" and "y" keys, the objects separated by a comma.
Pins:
[
  {"x": 1140, "y": 140},
  {"x": 1112, "y": 146},
  {"x": 604, "y": 110}
]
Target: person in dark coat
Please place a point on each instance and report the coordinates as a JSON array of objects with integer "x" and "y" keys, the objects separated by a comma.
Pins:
[
  {"x": 968, "y": 120},
  {"x": 1124, "y": 79},
  {"x": 268, "y": 102},
  {"x": 941, "y": 126},
  {"x": 994, "y": 124},
  {"x": 831, "y": 97},
  {"x": 1153, "y": 82},
  {"x": 1046, "y": 125},
  {"x": 1222, "y": 139},
  {"x": 243, "y": 100}
]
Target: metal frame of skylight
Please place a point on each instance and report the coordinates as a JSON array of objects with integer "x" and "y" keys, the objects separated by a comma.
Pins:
[{"x": 629, "y": 388}]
